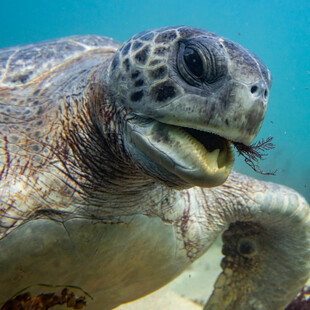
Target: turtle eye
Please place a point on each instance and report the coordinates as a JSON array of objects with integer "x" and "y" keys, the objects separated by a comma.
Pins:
[
  {"x": 199, "y": 62},
  {"x": 191, "y": 64},
  {"x": 193, "y": 61}
]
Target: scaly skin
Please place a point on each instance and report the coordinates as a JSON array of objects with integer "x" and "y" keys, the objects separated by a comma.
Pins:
[{"x": 79, "y": 208}]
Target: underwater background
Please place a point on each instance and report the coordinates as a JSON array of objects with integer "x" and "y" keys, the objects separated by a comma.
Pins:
[{"x": 277, "y": 31}]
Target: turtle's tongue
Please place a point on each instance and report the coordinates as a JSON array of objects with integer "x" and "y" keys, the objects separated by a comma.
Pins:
[{"x": 180, "y": 153}]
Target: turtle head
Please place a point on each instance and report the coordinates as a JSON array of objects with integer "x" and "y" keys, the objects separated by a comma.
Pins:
[{"x": 190, "y": 93}]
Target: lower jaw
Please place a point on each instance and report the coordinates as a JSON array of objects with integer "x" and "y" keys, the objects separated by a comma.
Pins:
[{"x": 178, "y": 151}]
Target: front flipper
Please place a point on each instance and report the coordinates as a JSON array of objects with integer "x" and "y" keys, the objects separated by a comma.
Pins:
[{"x": 266, "y": 247}]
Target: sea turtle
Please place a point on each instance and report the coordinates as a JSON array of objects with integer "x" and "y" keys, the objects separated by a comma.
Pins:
[{"x": 116, "y": 170}]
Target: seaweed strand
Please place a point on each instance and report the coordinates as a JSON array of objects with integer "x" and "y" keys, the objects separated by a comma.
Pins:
[{"x": 255, "y": 152}]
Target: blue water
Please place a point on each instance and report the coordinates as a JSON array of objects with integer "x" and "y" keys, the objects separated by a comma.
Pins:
[{"x": 277, "y": 31}]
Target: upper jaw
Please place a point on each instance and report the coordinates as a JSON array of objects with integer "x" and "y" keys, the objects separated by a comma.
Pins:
[
  {"x": 231, "y": 111},
  {"x": 239, "y": 122}
]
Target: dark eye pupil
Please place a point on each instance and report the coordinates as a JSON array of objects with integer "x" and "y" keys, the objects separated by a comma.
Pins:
[
  {"x": 193, "y": 61},
  {"x": 246, "y": 248}
]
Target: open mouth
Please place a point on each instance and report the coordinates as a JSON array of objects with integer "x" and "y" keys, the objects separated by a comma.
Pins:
[
  {"x": 198, "y": 157},
  {"x": 213, "y": 144}
]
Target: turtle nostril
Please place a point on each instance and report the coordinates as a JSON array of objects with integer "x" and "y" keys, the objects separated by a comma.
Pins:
[
  {"x": 265, "y": 93},
  {"x": 254, "y": 89}
]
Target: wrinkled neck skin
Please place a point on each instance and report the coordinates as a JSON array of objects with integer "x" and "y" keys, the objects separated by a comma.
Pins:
[
  {"x": 111, "y": 179},
  {"x": 274, "y": 218}
]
